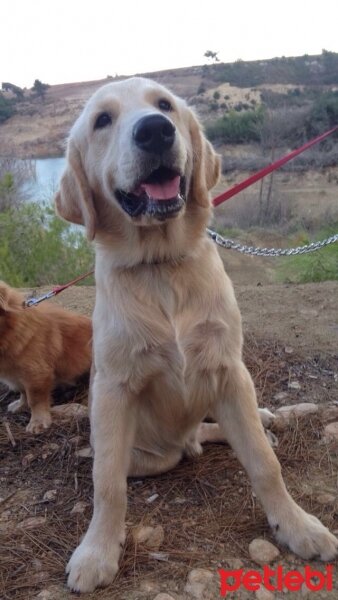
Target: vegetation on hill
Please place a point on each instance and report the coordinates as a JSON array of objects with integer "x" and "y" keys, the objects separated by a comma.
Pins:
[{"x": 301, "y": 70}]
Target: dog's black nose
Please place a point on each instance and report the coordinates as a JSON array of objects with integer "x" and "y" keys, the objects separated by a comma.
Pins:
[{"x": 154, "y": 133}]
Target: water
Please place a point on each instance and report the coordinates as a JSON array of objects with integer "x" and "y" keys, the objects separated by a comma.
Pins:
[{"x": 48, "y": 173}]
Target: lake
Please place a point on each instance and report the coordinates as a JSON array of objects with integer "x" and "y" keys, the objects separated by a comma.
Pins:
[{"x": 48, "y": 173}]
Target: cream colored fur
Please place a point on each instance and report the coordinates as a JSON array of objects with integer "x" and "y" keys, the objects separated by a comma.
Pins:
[{"x": 167, "y": 331}]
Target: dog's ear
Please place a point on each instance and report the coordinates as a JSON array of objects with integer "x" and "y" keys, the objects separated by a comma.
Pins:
[
  {"x": 74, "y": 200},
  {"x": 206, "y": 164}
]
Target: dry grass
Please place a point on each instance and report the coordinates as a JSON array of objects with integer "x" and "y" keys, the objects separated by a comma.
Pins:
[{"x": 206, "y": 506}]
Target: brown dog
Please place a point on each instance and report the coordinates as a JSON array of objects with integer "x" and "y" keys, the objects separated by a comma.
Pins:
[
  {"x": 40, "y": 347},
  {"x": 167, "y": 328}
]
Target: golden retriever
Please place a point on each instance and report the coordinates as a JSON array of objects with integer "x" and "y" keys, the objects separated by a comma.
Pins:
[
  {"x": 40, "y": 347},
  {"x": 167, "y": 328}
]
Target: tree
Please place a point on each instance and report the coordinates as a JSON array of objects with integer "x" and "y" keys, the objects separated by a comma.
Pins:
[
  {"x": 211, "y": 55},
  {"x": 15, "y": 89},
  {"x": 40, "y": 88},
  {"x": 6, "y": 108}
]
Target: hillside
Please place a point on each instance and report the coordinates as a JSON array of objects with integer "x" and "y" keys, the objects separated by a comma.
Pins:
[{"x": 40, "y": 125}]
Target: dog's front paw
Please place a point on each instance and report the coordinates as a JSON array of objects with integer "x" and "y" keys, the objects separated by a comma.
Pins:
[
  {"x": 92, "y": 566},
  {"x": 39, "y": 423},
  {"x": 306, "y": 536}
]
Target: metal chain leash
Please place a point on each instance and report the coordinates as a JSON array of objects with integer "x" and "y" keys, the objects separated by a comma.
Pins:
[{"x": 231, "y": 245}]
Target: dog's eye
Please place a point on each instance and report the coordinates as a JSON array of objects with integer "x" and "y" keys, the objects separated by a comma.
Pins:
[
  {"x": 165, "y": 105},
  {"x": 103, "y": 120}
]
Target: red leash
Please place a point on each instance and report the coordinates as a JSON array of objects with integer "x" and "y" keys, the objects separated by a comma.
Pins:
[
  {"x": 55, "y": 291},
  {"x": 216, "y": 201},
  {"x": 275, "y": 165}
]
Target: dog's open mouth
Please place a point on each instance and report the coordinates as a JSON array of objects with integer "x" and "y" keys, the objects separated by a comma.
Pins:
[{"x": 160, "y": 195}]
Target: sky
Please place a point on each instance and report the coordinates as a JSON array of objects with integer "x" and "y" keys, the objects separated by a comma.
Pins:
[{"x": 61, "y": 41}]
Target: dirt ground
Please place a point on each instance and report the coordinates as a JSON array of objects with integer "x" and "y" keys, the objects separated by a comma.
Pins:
[{"x": 205, "y": 506}]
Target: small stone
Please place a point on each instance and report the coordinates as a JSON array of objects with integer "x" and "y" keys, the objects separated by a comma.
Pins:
[
  {"x": 309, "y": 312},
  {"x": 264, "y": 594},
  {"x": 288, "y": 350},
  {"x": 331, "y": 432},
  {"x": 149, "y": 586},
  {"x": 49, "y": 496},
  {"x": 53, "y": 592},
  {"x": 86, "y": 452},
  {"x": 262, "y": 552},
  {"x": 297, "y": 410},
  {"x": 151, "y": 537},
  {"x": 199, "y": 580},
  {"x": 75, "y": 440},
  {"x": 329, "y": 413},
  {"x": 164, "y": 597},
  {"x": 31, "y": 523},
  {"x": 280, "y": 396},
  {"x": 79, "y": 507},
  {"x": 326, "y": 498},
  {"x": 28, "y": 458},
  {"x": 294, "y": 385},
  {"x": 234, "y": 563},
  {"x": 152, "y": 498},
  {"x": 70, "y": 411},
  {"x": 161, "y": 556}
]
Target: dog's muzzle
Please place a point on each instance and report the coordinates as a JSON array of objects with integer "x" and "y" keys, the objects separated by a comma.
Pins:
[{"x": 161, "y": 194}]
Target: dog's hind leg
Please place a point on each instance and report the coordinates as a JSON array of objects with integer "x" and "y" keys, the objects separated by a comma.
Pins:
[{"x": 239, "y": 421}]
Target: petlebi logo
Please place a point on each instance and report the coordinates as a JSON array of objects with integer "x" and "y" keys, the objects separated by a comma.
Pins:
[{"x": 277, "y": 579}]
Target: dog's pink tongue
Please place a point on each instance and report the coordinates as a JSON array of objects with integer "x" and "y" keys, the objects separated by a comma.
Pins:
[{"x": 162, "y": 191}]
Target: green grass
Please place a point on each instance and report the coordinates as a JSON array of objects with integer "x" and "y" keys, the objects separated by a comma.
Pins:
[{"x": 321, "y": 265}]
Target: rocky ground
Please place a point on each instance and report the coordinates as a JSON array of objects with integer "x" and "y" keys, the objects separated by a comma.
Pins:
[{"x": 185, "y": 525}]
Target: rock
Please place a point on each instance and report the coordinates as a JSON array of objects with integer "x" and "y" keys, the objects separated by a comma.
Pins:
[
  {"x": 309, "y": 312},
  {"x": 326, "y": 498},
  {"x": 151, "y": 537},
  {"x": 161, "y": 556},
  {"x": 152, "y": 498},
  {"x": 79, "y": 507},
  {"x": 69, "y": 411},
  {"x": 264, "y": 594},
  {"x": 329, "y": 413},
  {"x": 234, "y": 563},
  {"x": 86, "y": 452},
  {"x": 280, "y": 396},
  {"x": 32, "y": 522},
  {"x": 288, "y": 350},
  {"x": 164, "y": 596},
  {"x": 297, "y": 410},
  {"x": 49, "y": 496},
  {"x": 53, "y": 592},
  {"x": 149, "y": 586},
  {"x": 262, "y": 552},
  {"x": 199, "y": 582},
  {"x": 331, "y": 432},
  {"x": 294, "y": 385}
]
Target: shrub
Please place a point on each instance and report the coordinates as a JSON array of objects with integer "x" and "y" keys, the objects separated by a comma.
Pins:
[
  {"x": 236, "y": 128},
  {"x": 38, "y": 248}
]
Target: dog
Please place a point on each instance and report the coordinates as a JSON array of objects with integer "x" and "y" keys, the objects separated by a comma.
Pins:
[
  {"x": 167, "y": 328},
  {"x": 40, "y": 347}
]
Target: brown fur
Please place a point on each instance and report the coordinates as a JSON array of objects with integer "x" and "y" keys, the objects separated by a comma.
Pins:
[
  {"x": 167, "y": 330},
  {"x": 40, "y": 347}
]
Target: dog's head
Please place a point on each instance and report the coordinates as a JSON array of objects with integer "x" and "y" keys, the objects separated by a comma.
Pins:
[{"x": 136, "y": 150}]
